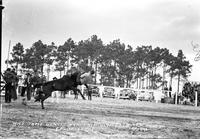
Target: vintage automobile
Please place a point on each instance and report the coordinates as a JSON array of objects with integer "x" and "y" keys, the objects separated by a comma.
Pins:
[
  {"x": 145, "y": 96},
  {"x": 94, "y": 89},
  {"x": 127, "y": 94},
  {"x": 109, "y": 92}
]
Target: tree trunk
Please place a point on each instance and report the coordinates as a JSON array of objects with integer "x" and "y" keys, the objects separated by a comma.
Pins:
[
  {"x": 68, "y": 63},
  {"x": 48, "y": 72},
  {"x": 140, "y": 83},
  {"x": 171, "y": 77},
  {"x": 137, "y": 83},
  {"x": 152, "y": 79},
  {"x": 17, "y": 67},
  {"x": 127, "y": 82},
  {"x": 96, "y": 70},
  {"x": 147, "y": 80},
  {"x": 163, "y": 82},
  {"x": 42, "y": 70},
  {"x": 177, "y": 88}
]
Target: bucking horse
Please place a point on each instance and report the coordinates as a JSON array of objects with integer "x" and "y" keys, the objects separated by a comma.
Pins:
[{"x": 67, "y": 82}]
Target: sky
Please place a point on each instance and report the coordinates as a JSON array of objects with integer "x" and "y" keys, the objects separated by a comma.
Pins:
[{"x": 172, "y": 24}]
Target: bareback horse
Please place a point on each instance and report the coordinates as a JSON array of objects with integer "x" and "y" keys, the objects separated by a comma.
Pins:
[{"x": 67, "y": 82}]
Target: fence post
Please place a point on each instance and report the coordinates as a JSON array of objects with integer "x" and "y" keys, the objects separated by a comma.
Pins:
[
  {"x": 176, "y": 98},
  {"x": 82, "y": 89},
  {"x": 196, "y": 98}
]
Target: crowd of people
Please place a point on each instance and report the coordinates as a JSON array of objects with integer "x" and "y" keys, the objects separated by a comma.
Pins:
[
  {"x": 11, "y": 81},
  {"x": 18, "y": 85},
  {"x": 22, "y": 85}
]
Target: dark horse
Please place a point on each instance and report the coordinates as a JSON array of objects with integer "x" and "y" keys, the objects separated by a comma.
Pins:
[{"x": 67, "y": 82}]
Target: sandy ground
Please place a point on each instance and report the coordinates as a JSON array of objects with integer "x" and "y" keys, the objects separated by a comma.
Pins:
[{"x": 99, "y": 118}]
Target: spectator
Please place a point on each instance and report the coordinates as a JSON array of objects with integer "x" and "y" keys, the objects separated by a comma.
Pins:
[
  {"x": 170, "y": 91},
  {"x": 101, "y": 89},
  {"x": 8, "y": 77},
  {"x": 55, "y": 94},
  {"x": 14, "y": 84},
  {"x": 89, "y": 93},
  {"x": 20, "y": 85},
  {"x": 27, "y": 87}
]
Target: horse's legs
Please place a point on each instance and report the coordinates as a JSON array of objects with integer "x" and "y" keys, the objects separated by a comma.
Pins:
[
  {"x": 86, "y": 86},
  {"x": 44, "y": 98},
  {"x": 42, "y": 104},
  {"x": 79, "y": 93}
]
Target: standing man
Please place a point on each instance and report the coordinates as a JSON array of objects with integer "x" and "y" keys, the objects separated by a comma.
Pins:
[
  {"x": 85, "y": 79},
  {"x": 14, "y": 84},
  {"x": 20, "y": 85},
  {"x": 28, "y": 86},
  {"x": 8, "y": 77},
  {"x": 55, "y": 94},
  {"x": 101, "y": 90}
]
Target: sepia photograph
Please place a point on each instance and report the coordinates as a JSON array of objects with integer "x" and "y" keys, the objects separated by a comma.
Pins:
[{"x": 100, "y": 69}]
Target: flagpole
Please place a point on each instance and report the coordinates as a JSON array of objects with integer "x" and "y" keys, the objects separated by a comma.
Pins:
[
  {"x": 1, "y": 8},
  {"x": 8, "y": 53}
]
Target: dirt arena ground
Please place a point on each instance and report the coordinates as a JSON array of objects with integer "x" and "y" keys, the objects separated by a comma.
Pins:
[{"x": 99, "y": 118}]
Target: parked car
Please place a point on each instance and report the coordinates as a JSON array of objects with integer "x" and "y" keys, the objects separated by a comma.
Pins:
[
  {"x": 145, "y": 96},
  {"x": 128, "y": 94},
  {"x": 94, "y": 89},
  {"x": 109, "y": 92}
]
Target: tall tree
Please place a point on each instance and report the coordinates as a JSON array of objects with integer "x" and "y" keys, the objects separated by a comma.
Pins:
[
  {"x": 64, "y": 52},
  {"x": 141, "y": 55},
  {"x": 126, "y": 65},
  {"x": 17, "y": 55},
  {"x": 182, "y": 66},
  {"x": 170, "y": 61},
  {"x": 35, "y": 57},
  {"x": 88, "y": 53},
  {"x": 50, "y": 58},
  {"x": 95, "y": 47},
  {"x": 156, "y": 58}
]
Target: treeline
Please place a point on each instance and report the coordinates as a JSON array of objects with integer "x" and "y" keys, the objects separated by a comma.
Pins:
[{"x": 116, "y": 63}]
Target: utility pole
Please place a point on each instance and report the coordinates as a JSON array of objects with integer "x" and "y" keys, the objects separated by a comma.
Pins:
[
  {"x": 8, "y": 53},
  {"x": 1, "y": 9}
]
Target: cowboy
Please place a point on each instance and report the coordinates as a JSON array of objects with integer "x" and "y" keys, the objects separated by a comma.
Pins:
[
  {"x": 8, "y": 77},
  {"x": 26, "y": 88},
  {"x": 86, "y": 78},
  {"x": 14, "y": 84}
]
